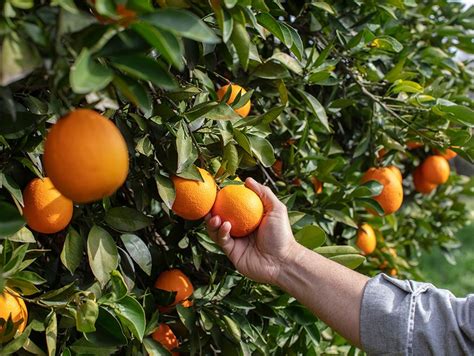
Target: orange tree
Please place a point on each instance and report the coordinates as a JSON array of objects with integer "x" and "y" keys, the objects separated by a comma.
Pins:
[{"x": 335, "y": 88}]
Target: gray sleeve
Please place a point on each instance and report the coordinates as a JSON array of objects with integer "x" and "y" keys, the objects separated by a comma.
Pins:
[{"x": 412, "y": 318}]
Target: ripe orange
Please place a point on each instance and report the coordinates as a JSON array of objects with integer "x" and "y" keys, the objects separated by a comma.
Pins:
[
  {"x": 241, "y": 207},
  {"x": 11, "y": 305},
  {"x": 46, "y": 209},
  {"x": 411, "y": 145},
  {"x": 235, "y": 89},
  {"x": 86, "y": 156},
  {"x": 447, "y": 153},
  {"x": 317, "y": 184},
  {"x": 435, "y": 169},
  {"x": 194, "y": 199},
  {"x": 391, "y": 197},
  {"x": 393, "y": 272},
  {"x": 174, "y": 280},
  {"x": 421, "y": 184},
  {"x": 397, "y": 172},
  {"x": 366, "y": 240},
  {"x": 166, "y": 337}
]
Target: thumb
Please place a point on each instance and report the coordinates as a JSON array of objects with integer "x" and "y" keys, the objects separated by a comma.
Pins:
[{"x": 268, "y": 198}]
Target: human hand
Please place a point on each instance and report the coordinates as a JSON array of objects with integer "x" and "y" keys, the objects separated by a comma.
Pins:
[{"x": 261, "y": 255}]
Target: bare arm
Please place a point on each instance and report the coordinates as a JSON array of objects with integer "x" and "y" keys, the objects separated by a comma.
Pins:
[
  {"x": 271, "y": 255},
  {"x": 331, "y": 291}
]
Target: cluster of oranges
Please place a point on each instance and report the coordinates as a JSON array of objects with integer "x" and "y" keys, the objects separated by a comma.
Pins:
[
  {"x": 173, "y": 280},
  {"x": 234, "y": 203},
  {"x": 433, "y": 171},
  {"x": 86, "y": 159}
]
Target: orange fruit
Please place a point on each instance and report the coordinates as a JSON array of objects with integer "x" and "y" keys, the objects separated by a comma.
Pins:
[
  {"x": 241, "y": 207},
  {"x": 421, "y": 184},
  {"x": 11, "y": 305},
  {"x": 391, "y": 197},
  {"x": 166, "y": 337},
  {"x": 174, "y": 280},
  {"x": 366, "y": 240},
  {"x": 85, "y": 156},
  {"x": 397, "y": 172},
  {"x": 393, "y": 272},
  {"x": 194, "y": 199},
  {"x": 435, "y": 169},
  {"x": 411, "y": 145},
  {"x": 46, "y": 209},
  {"x": 447, "y": 153},
  {"x": 235, "y": 90},
  {"x": 317, "y": 184}
]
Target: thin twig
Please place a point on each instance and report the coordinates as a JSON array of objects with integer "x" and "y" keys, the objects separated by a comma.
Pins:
[{"x": 268, "y": 177}]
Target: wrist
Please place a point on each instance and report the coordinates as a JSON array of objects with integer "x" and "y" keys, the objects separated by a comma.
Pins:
[{"x": 289, "y": 265}]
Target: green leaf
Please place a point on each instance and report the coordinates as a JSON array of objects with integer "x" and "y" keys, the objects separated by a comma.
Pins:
[
  {"x": 10, "y": 220},
  {"x": 102, "y": 253},
  {"x": 87, "y": 75},
  {"x": 405, "y": 86},
  {"x": 262, "y": 149},
  {"x": 164, "y": 41},
  {"x": 316, "y": 108},
  {"x": 15, "y": 191},
  {"x": 127, "y": 219},
  {"x": 329, "y": 251},
  {"x": 109, "y": 331},
  {"x": 71, "y": 255},
  {"x": 182, "y": 23},
  {"x": 117, "y": 286},
  {"x": 154, "y": 348},
  {"x": 18, "y": 58},
  {"x": 340, "y": 216},
  {"x": 241, "y": 40},
  {"x": 456, "y": 113},
  {"x": 230, "y": 158},
  {"x": 187, "y": 153},
  {"x": 87, "y": 312},
  {"x": 232, "y": 328},
  {"x": 52, "y": 334},
  {"x": 311, "y": 236},
  {"x": 165, "y": 190},
  {"x": 187, "y": 316},
  {"x": 139, "y": 252},
  {"x": 132, "y": 315},
  {"x": 133, "y": 91},
  {"x": 323, "y": 6},
  {"x": 349, "y": 260},
  {"x": 387, "y": 43},
  {"x": 23, "y": 235},
  {"x": 145, "y": 68},
  {"x": 16, "y": 344}
]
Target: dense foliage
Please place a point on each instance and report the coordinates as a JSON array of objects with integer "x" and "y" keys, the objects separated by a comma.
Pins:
[{"x": 331, "y": 84}]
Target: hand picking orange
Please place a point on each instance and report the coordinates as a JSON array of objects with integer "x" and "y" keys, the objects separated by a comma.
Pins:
[{"x": 241, "y": 207}]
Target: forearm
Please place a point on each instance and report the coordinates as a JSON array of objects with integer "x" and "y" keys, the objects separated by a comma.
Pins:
[{"x": 330, "y": 290}]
